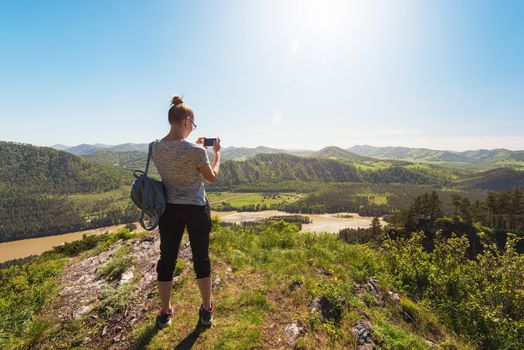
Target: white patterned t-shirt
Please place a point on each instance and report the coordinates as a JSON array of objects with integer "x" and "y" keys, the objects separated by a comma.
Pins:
[{"x": 177, "y": 163}]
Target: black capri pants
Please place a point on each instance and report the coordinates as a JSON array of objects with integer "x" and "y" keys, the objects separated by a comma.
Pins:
[{"x": 171, "y": 225}]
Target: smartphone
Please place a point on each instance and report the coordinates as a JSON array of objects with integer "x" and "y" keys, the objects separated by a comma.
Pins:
[{"x": 209, "y": 142}]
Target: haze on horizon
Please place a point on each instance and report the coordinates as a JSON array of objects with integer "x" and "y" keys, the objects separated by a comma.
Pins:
[{"x": 442, "y": 75}]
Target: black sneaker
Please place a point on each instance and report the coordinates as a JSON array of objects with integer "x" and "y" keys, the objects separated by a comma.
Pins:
[
  {"x": 206, "y": 316},
  {"x": 163, "y": 319}
]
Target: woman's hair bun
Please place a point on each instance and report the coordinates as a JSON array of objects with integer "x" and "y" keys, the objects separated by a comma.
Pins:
[{"x": 176, "y": 100}]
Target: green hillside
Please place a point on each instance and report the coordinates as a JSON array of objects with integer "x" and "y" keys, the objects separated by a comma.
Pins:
[
  {"x": 44, "y": 191},
  {"x": 330, "y": 165},
  {"x": 494, "y": 180},
  {"x": 273, "y": 168},
  {"x": 131, "y": 160}
]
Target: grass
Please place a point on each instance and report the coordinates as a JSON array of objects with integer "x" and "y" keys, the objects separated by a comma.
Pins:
[
  {"x": 398, "y": 338},
  {"x": 117, "y": 265},
  {"x": 114, "y": 299},
  {"x": 375, "y": 198},
  {"x": 224, "y": 196},
  {"x": 260, "y": 268}
]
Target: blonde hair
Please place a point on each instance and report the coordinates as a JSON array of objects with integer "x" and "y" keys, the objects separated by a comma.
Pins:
[{"x": 179, "y": 110}]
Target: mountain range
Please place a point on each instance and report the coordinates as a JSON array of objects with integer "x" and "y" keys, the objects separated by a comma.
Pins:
[
  {"x": 483, "y": 158},
  {"x": 469, "y": 169},
  {"x": 42, "y": 182}
]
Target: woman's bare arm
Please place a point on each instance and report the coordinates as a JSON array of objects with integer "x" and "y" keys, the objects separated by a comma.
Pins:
[{"x": 210, "y": 171}]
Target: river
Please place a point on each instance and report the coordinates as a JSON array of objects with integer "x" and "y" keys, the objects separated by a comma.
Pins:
[{"x": 320, "y": 223}]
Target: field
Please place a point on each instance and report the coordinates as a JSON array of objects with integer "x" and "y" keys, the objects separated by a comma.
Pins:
[{"x": 232, "y": 200}]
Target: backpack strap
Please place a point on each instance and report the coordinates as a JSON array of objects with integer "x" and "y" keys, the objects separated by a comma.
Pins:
[
  {"x": 155, "y": 220},
  {"x": 149, "y": 153}
]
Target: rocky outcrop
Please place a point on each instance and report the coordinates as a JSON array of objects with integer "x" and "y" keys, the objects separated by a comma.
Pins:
[{"x": 83, "y": 291}]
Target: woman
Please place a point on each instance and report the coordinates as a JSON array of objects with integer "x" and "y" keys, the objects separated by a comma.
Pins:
[{"x": 183, "y": 167}]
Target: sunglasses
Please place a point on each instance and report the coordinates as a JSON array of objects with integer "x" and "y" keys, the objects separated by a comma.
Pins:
[{"x": 194, "y": 125}]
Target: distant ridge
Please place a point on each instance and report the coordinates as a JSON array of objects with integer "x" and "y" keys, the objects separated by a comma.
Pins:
[
  {"x": 333, "y": 152},
  {"x": 237, "y": 153},
  {"x": 88, "y": 149},
  {"x": 499, "y": 156},
  {"x": 473, "y": 160},
  {"x": 60, "y": 147}
]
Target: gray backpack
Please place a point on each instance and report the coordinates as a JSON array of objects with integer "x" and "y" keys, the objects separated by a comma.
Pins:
[{"x": 149, "y": 195}]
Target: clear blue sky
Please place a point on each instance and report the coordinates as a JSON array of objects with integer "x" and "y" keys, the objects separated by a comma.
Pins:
[{"x": 287, "y": 74}]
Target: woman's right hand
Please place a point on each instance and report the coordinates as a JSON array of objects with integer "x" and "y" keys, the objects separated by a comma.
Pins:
[
  {"x": 216, "y": 145},
  {"x": 200, "y": 141}
]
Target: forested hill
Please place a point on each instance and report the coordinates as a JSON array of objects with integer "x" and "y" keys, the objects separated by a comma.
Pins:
[
  {"x": 274, "y": 168},
  {"x": 44, "y": 192},
  {"x": 495, "y": 180},
  {"x": 46, "y": 170}
]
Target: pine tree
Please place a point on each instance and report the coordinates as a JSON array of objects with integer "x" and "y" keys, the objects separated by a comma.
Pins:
[{"x": 375, "y": 226}]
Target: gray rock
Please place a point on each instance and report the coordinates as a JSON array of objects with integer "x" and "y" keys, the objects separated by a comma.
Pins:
[
  {"x": 372, "y": 286},
  {"x": 77, "y": 313},
  {"x": 217, "y": 282},
  {"x": 363, "y": 332},
  {"x": 148, "y": 239},
  {"x": 393, "y": 297},
  {"x": 126, "y": 277},
  {"x": 294, "y": 330},
  {"x": 296, "y": 285},
  {"x": 186, "y": 253}
]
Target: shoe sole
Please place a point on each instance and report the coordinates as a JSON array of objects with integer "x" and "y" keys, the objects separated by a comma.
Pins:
[
  {"x": 163, "y": 325},
  {"x": 208, "y": 323}
]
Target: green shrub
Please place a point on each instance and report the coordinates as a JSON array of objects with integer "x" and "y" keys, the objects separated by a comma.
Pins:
[
  {"x": 482, "y": 298},
  {"x": 124, "y": 233},
  {"x": 279, "y": 235},
  {"x": 114, "y": 299},
  {"x": 76, "y": 247}
]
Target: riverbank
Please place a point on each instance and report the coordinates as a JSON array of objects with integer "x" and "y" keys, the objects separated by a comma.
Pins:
[{"x": 320, "y": 223}]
